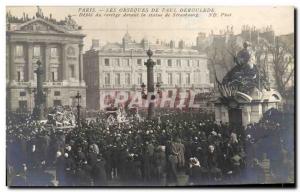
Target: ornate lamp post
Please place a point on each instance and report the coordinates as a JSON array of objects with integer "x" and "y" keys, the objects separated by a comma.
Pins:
[
  {"x": 78, "y": 97},
  {"x": 38, "y": 111},
  {"x": 150, "y": 84}
]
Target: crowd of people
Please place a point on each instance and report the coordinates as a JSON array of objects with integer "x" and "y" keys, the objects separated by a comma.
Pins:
[{"x": 178, "y": 148}]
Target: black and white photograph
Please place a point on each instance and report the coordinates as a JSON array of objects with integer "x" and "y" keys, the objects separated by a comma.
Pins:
[{"x": 150, "y": 96}]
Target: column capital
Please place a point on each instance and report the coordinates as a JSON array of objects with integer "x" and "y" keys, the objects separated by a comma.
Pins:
[
  {"x": 45, "y": 44},
  {"x": 29, "y": 43},
  {"x": 63, "y": 44}
]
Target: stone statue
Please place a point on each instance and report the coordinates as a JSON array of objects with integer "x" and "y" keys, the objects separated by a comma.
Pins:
[{"x": 245, "y": 75}]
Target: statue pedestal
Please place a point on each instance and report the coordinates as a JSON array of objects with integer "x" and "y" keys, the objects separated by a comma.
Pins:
[{"x": 248, "y": 108}]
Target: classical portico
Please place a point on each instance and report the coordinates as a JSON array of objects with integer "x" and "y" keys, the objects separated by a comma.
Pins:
[{"x": 58, "y": 45}]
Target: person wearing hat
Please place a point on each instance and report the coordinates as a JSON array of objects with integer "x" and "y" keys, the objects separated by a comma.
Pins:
[
  {"x": 69, "y": 170},
  {"x": 60, "y": 168},
  {"x": 159, "y": 163},
  {"x": 212, "y": 163},
  {"x": 197, "y": 173}
]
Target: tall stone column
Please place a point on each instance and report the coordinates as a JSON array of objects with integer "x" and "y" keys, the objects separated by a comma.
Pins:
[
  {"x": 150, "y": 83},
  {"x": 81, "y": 78},
  {"x": 12, "y": 65},
  {"x": 29, "y": 61},
  {"x": 47, "y": 60},
  {"x": 64, "y": 62}
]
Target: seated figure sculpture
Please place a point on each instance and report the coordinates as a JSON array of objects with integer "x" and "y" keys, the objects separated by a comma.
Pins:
[{"x": 245, "y": 75}]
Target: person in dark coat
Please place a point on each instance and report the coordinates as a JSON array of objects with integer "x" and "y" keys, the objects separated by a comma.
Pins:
[
  {"x": 160, "y": 163},
  {"x": 132, "y": 168},
  {"x": 197, "y": 174},
  {"x": 92, "y": 158},
  {"x": 148, "y": 152},
  {"x": 108, "y": 159},
  {"x": 60, "y": 168},
  {"x": 87, "y": 169},
  {"x": 80, "y": 157},
  {"x": 99, "y": 173},
  {"x": 212, "y": 163},
  {"x": 69, "y": 170}
]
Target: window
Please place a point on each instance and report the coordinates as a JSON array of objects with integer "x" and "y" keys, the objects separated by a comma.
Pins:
[
  {"x": 158, "y": 62},
  {"x": 170, "y": 93},
  {"x": 54, "y": 75},
  {"x": 53, "y": 52},
  {"x": 116, "y": 62},
  {"x": 56, "y": 93},
  {"x": 159, "y": 77},
  {"x": 140, "y": 78},
  {"x": 22, "y": 94},
  {"x": 23, "y": 105},
  {"x": 107, "y": 79},
  {"x": 71, "y": 51},
  {"x": 127, "y": 78},
  {"x": 139, "y": 61},
  {"x": 106, "y": 62},
  {"x": 189, "y": 62},
  {"x": 57, "y": 102},
  {"x": 20, "y": 75},
  {"x": 170, "y": 81},
  {"x": 118, "y": 79},
  {"x": 36, "y": 51},
  {"x": 178, "y": 63},
  {"x": 126, "y": 62},
  {"x": 198, "y": 63},
  {"x": 19, "y": 51},
  {"x": 178, "y": 79},
  {"x": 72, "y": 71},
  {"x": 188, "y": 78},
  {"x": 170, "y": 62}
]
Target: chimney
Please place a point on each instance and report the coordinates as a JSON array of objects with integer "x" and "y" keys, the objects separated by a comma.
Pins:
[
  {"x": 181, "y": 44},
  {"x": 172, "y": 44}
]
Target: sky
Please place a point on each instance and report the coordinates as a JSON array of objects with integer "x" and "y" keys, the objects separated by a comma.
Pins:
[{"x": 112, "y": 29}]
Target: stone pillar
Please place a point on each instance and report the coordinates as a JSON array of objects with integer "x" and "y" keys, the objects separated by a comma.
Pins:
[
  {"x": 7, "y": 63},
  {"x": 47, "y": 56},
  {"x": 12, "y": 66},
  {"x": 29, "y": 61},
  {"x": 246, "y": 115},
  {"x": 224, "y": 114},
  {"x": 64, "y": 62},
  {"x": 256, "y": 112},
  {"x": 218, "y": 113},
  {"x": 81, "y": 77}
]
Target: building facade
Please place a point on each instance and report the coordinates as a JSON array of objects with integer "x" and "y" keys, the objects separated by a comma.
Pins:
[
  {"x": 58, "y": 45},
  {"x": 120, "y": 67}
]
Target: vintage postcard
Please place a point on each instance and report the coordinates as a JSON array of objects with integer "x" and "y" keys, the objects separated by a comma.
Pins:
[{"x": 115, "y": 96}]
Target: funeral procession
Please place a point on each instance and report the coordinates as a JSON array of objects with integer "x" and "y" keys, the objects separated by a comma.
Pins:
[{"x": 121, "y": 101}]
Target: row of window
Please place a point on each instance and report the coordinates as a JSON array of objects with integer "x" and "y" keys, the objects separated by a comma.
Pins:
[
  {"x": 53, "y": 74},
  {"x": 170, "y": 62},
  {"x": 172, "y": 78},
  {"x": 23, "y": 93},
  {"x": 19, "y": 51},
  {"x": 24, "y": 107}
]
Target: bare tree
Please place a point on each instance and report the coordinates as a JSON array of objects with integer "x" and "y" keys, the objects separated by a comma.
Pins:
[
  {"x": 283, "y": 68},
  {"x": 221, "y": 56}
]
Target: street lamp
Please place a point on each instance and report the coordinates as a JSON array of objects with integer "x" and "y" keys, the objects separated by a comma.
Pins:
[{"x": 78, "y": 97}]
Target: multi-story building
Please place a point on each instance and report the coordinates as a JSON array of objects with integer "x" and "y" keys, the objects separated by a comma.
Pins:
[
  {"x": 120, "y": 66},
  {"x": 58, "y": 45}
]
